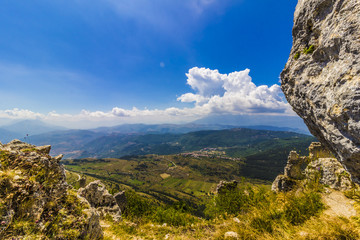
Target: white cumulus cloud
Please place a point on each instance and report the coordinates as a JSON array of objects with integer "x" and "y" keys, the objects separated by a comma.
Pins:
[
  {"x": 214, "y": 93},
  {"x": 205, "y": 81},
  {"x": 232, "y": 93},
  {"x": 20, "y": 114},
  {"x": 190, "y": 97}
]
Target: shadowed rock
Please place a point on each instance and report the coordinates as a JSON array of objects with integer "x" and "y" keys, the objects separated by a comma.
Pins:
[
  {"x": 121, "y": 200},
  {"x": 283, "y": 183},
  {"x": 225, "y": 186},
  {"x": 293, "y": 167}
]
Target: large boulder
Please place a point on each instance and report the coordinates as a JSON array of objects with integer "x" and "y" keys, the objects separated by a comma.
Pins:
[{"x": 321, "y": 79}]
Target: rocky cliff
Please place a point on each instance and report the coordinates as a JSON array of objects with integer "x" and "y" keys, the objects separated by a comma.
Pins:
[
  {"x": 35, "y": 200},
  {"x": 321, "y": 79}
]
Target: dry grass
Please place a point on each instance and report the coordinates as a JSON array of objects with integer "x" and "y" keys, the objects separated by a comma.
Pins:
[
  {"x": 319, "y": 228},
  {"x": 262, "y": 222}
]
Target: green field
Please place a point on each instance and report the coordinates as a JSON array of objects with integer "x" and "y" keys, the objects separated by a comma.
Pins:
[
  {"x": 169, "y": 177},
  {"x": 199, "y": 162}
]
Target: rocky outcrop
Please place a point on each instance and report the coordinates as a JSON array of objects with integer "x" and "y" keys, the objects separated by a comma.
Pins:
[
  {"x": 293, "y": 171},
  {"x": 330, "y": 173},
  {"x": 319, "y": 166},
  {"x": 225, "y": 186},
  {"x": 321, "y": 79},
  {"x": 100, "y": 199},
  {"x": 121, "y": 200},
  {"x": 283, "y": 183},
  {"x": 317, "y": 150},
  {"x": 35, "y": 200},
  {"x": 293, "y": 167},
  {"x": 93, "y": 228}
]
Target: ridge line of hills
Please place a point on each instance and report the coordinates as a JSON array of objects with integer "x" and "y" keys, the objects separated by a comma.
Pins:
[
  {"x": 162, "y": 139},
  {"x": 21, "y": 129},
  {"x": 235, "y": 141}
]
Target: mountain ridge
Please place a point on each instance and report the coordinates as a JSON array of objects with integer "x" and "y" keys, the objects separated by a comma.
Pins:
[
  {"x": 242, "y": 139},
  {"x": 24, "y": 128}
]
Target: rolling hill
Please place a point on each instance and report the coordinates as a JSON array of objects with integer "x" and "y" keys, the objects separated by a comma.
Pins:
[
  {"x": 73, "y": 142},
  {"x": 236, "y": 142},
  {"x": 23, "y": 129}
]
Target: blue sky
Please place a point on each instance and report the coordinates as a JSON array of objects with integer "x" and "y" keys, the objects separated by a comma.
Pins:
[{"x": 115, "y": 61}]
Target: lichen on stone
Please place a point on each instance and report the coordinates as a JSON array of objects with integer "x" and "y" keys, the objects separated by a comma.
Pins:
[{"x": 35, "y": 200}]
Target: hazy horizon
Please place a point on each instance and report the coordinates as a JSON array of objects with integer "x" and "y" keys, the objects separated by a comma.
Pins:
[{"x": 257, "y": 122}]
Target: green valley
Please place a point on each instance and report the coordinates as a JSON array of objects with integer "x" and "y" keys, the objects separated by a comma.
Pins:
[{"x": 184, "y": 167}]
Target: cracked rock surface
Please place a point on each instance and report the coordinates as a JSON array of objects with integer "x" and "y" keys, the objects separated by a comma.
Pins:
[
  {"x": 321, "y": 79},
  {"x": 35, "y": 200}
]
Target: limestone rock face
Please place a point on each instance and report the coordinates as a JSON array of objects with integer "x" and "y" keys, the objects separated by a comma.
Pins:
[
  {"x": 321, "y": 79},
  {"x": 100, "y": 199},
  {"x": 317, "y": 150},
  {"x": 330, "y": 173},
  {"x": 293, "y": 167},
  {"x": 320, "y": 165},
  {"x": 35, "y": 198},
  {"x": 93, "y": 228},
  {"x": 293, "y": 171}
]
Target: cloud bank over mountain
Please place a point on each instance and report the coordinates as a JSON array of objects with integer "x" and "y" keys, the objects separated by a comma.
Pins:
[{"x": 213, "y": 93}]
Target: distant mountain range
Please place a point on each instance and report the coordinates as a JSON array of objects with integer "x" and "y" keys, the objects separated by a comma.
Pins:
[
  {"x": 32, "y": 127},
  {"x": 160, "y": 128},
  {"x": 7, "y": 136},
  {"x": 265, "y": 122},
  {"x": 74, "y": 142},
  {"x": 22, "y": 129},
  {"x": 89, "y": 143},
  {"x": 235, "y": 142}
]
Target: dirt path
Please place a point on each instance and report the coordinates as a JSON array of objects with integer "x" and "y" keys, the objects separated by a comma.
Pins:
[
  {"x": 339, "y": 205},
  {"x": 78, "y": 175}
]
